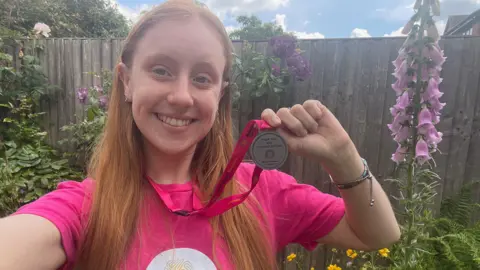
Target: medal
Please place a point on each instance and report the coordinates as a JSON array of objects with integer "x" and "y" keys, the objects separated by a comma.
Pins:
[{"x": 269, "y": 150}]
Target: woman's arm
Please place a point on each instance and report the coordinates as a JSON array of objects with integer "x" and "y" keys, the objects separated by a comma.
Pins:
[
  {"x": 29, "y": 242},
  {"x": 364, "y": 227},
  {"x": 312, "y": 131}
]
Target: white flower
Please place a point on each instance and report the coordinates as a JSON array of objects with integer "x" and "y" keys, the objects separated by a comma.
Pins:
[{"x": 42, "y": 29}]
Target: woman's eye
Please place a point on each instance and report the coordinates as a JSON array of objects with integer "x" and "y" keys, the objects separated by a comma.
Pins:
[
  {"x": 161, "y": 71},
  {"x": 201, "y": 79}
]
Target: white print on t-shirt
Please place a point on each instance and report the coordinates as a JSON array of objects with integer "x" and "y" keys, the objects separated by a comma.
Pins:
[{"x": 181, "y": 259}]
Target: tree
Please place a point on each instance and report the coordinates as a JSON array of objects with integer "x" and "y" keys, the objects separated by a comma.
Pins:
[
  {"x": 67, "y": 18},
  {"x": 252, "y": 28}
]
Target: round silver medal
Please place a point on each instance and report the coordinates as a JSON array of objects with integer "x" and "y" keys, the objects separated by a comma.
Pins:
[{"x": 269, "y": 150}]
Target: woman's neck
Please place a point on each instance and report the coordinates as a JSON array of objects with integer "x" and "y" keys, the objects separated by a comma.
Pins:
[{"x": 166, "y": 168}]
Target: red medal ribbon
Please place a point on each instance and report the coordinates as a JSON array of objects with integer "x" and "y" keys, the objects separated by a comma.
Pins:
[{"x": 215, "y": 205}]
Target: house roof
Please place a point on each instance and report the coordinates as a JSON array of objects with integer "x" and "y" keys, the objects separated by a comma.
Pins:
[
  {"x": 454, "y": 20},
  {"x": 458, "y": 23}
]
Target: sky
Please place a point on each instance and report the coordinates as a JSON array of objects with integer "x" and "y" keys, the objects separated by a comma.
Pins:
[{"x": 321, "y": 18}]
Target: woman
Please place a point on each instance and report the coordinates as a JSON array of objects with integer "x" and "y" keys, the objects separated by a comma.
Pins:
[{"x": 167, "y": 141}]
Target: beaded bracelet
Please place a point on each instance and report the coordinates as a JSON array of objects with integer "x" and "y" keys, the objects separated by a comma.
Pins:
[{"x": 366, "y": 175}]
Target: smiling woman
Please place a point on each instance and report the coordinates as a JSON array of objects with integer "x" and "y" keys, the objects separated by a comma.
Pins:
[{"x": 158, "y": 195}]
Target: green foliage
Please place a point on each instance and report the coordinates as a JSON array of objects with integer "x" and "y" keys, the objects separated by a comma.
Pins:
[
  {"x": 455, "y": 242},
  {"x": 253, "y": 75},
  {"x": 67, "y": 18},
  {"x": 86, "y": 133},
  {"x": 252, "y": 28},
  {"x": 29, "y": 167},
  {"x": 28, "y": 79}
]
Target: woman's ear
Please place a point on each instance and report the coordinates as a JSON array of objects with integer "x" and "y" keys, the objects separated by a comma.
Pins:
[{"x": 124, "y": 76}]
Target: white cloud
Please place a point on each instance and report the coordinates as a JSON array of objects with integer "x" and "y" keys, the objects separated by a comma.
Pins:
[
  {"x": 306, "y": 22},
  {"x": 305, "y": 35},
  {"x": 359, "y": 33},
  {"x": 280, "y": 21},
  {"x": 132, "y": 13},
  {"x": 398, "y": 33},
  {"x": 236, "y": 7}
]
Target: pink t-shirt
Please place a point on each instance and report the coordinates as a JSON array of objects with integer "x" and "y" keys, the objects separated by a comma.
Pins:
[{"x": 296, "y": 213}]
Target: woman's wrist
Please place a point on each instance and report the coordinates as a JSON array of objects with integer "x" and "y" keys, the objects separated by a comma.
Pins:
[{"x": 346, "y": 169}]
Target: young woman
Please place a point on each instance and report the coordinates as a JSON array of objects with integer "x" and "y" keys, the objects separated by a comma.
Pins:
[{"x": 167, "y": 141}]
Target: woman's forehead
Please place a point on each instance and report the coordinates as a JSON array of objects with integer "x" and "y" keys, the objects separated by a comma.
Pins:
[{"x": 187, "y": 39}]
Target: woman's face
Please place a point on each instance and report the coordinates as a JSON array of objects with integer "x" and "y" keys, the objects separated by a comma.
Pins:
[{"x": 175, "y": 83}]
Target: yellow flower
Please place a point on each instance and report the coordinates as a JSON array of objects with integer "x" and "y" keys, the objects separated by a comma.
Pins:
[
  {"x": 351, "y": 253},
  {"x": 312, "y": 268},
  {"x": 291, "y": 257},
  {"x": 334, "y": 267},
  {"x": 384, "y": 252}
]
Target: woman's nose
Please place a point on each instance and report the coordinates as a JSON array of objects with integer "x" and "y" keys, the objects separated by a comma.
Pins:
[{"x": 180, "y": 93}]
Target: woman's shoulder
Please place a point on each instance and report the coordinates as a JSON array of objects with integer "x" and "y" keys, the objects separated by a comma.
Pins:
[
  {"x": 69, "y": 197},
  {"x": 267, "y": 177}
]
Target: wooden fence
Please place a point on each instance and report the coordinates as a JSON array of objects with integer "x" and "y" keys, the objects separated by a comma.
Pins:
[{"x": 352, "y": 77}]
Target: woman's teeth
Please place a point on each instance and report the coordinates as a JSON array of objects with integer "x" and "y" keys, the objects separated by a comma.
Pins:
[{"x": 174, "y": 122}]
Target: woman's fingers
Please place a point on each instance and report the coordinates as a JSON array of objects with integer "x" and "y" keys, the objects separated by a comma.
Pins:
[
  {"x": 291, "y": 123},
  {"x": 304, "y": 117},
  {"x": 269, "y": 116}
]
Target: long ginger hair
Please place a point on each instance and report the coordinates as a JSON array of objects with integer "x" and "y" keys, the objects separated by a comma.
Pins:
[{"x": 116, "y": 166}]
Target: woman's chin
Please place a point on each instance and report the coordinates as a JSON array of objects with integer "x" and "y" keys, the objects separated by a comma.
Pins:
[{"x": 174, "y": 148}]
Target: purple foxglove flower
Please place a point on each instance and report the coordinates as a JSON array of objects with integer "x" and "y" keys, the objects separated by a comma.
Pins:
[
  {"x": 401, "y": 84},
  {"x": 433, "y": 137},
  {"x": 398, "y": 122},
  {"x": 400, "y": 58},
  {"x": 82, "y": 94},
  {"x": 283, "y": 46},
  {"x": 399, "y": 154},
  {"x": 401, "y": 70},
  {"x": 424, "y": 121},
  {"x": 421, "y": 152},
  {"x": 402, "y": 102},
  {"x": 436, "y": 105},
  {"x": 299, "y": 66},
  {"x": 432, "y": 90},
  {"x": 103, "y": 101},
  {"x": 402, "y": 134},
  {"x": 435, "y": 117},
  {"x": 435, "y": 53}
]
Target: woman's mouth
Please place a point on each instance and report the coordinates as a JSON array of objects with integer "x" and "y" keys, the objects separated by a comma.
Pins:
[{"x": 174, "y": 122}]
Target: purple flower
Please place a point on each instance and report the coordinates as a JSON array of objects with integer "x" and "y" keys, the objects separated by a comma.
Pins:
[
  {"x": 424, "y": 121},
  {"x": 401, "y": 71},
  {"x": 82, "y": 94},
  {"x": 276, "y": 71},
  {"x": 432, "y": 90},
  {"x": 436, "y": 105},
  {"x": 299, "y": 66},
  {"x": 399, "y": 154},
  {"x": 398, "y": 122},
  {"x": 283, "y": 46},
  {"x": 402, "y": 134},
  {"x": 400, "y": 58},
  {"x": 434, "y": 52},
  {"x": 103, "y": 101},
  {"x": 402, "y": 102},
  {"x": 432, "y": 136},
  {"x": 421, "y": 152},
  {"x": 99, "y": 89}
]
